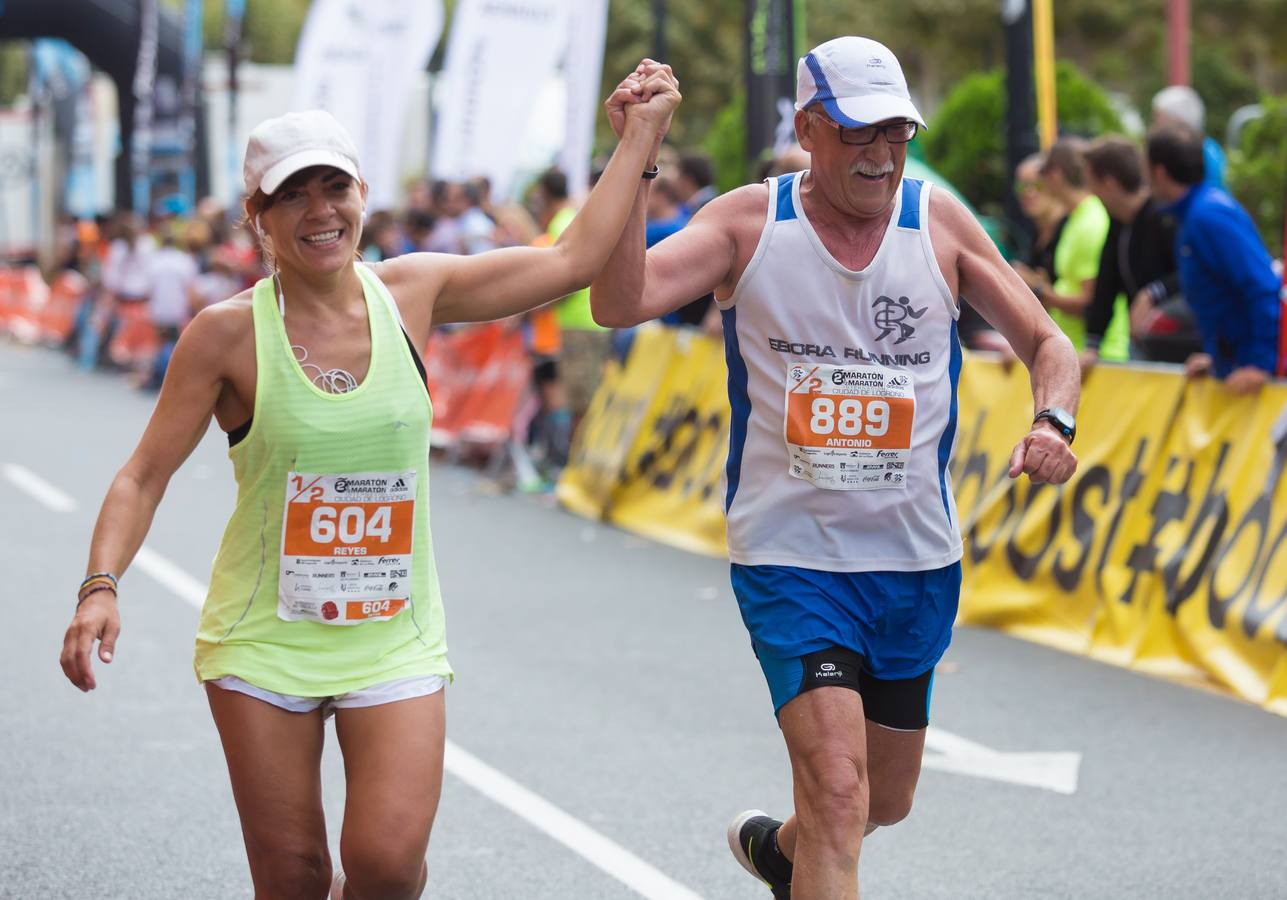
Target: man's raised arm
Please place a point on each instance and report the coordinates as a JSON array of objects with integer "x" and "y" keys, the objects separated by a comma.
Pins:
[{"x": 638, "y": 284}]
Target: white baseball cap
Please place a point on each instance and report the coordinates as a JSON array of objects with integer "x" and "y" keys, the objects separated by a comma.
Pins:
[
  {"x": 280, "y": 147},
  {"x": 857, "y": 80}
]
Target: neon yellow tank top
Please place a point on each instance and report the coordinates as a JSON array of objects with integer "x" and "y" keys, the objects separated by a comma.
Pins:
[{"x": 325, "y": 579}]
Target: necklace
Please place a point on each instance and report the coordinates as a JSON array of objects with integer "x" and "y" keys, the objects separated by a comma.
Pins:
[{"x": 330, "y": 381}]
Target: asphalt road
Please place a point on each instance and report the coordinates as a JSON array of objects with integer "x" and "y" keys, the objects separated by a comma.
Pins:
[{"x": 598, "y": 673}]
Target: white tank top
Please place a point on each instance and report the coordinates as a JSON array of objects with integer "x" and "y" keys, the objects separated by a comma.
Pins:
[{"x": 843, "y": 392}]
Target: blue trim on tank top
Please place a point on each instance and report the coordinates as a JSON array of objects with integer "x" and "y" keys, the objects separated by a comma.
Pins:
[
  {"x": 786, "y": 206},
  {"x": 739, "y": 400},
  {"x": 910, "y": 216},
  {"x": 949, "y": 431}
]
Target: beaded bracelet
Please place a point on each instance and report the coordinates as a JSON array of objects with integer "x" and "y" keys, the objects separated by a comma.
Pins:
[
  {"x": 97, "y": 576},
  {"x": 93, "y": 582},
  {"x": 100, "y": 586}
]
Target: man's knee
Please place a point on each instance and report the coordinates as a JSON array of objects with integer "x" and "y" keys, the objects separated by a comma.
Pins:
[
  {"x": 835, "y": 793},
  {"x": 889, "y": 806},
  {"x": 286, "y": 870}
]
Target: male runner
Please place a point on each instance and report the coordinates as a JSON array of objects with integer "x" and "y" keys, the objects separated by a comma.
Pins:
[{"x": 838, "y": 287}]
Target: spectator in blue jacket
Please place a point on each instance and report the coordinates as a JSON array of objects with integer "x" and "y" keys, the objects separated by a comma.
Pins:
[
  {"x": 1180, "y": 105},
  {"x": 1225, "y": 271}
]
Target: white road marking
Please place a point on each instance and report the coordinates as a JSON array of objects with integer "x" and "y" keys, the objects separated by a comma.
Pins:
[
  {"x": 572, "y": 833},
  {"x": 35, "y": 486},
  {"x": 1056, "y": 772},
  {"x": 569, "y": 831},
  {"x": 170, "y": 576}
]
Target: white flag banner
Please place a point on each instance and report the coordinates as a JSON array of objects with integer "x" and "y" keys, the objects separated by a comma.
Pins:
[
  {"x": 358, "y": 60},
  {"x": 499, "y": 56},
  {"x": 582, "y": 71}
]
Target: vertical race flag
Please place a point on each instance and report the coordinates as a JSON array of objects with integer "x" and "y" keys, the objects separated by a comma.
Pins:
[
  {"x": 357, "y": 59},
  {"x": 234, "y": 12},
  {"x": 499, "y": 56},
  {"x": 192, "y": 23},
  {"x": 1043, "y": 41},
  {"x": 144, "y": 85},
  {"x": 770, "y": 74},
  {"x": 1020, "y": 116},
  {"x": 582, "y": 71}
]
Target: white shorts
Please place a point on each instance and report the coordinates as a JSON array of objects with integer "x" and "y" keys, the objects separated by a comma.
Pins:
[{"x": 375, "y": 695}]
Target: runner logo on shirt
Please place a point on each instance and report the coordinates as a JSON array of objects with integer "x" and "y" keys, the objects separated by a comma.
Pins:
[{"x": 891, "y": 314}]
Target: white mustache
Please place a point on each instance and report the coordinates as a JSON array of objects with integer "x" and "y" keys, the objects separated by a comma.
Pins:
[{"x": 871, "y": 170}]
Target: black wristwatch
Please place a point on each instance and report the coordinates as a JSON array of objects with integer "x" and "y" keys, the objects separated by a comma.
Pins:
[{"x": 1062, "y": 419}]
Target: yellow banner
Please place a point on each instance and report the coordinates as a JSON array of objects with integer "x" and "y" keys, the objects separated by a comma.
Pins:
[
  {"x": 1035, "y": 554},
  {"x": 1167, "y": 552},
  {"x": 1199, "y": 580},
  {"x": 671, "y": 486},
  {"x": 624, "y": 401}
]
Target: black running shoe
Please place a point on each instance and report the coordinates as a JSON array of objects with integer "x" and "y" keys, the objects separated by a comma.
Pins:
[{"x": 746, "y": 836}]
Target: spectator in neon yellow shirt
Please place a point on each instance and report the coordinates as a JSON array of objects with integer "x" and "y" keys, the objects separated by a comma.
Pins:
[
  {"x": 1080, "y": 244},
  {"x": 585, "y": 342}
]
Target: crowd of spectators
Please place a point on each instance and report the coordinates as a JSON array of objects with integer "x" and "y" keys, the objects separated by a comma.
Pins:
[
  {"x": 1137, "y": 252},
  {"x": 146, "y": 280}
]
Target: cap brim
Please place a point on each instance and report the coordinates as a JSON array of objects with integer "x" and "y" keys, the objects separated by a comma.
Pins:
[
  {"x": 855, "y": 112},
  {"x": 305, "y": 159}
]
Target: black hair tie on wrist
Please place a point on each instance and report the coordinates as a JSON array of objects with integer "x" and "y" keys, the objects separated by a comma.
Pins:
[{"x": 650, "y": 174}]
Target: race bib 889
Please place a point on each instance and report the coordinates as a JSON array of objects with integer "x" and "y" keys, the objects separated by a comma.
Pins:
[{"x": 849, "y": 428}]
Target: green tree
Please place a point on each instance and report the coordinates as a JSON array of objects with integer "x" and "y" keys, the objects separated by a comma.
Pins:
[
  {"x": 966, "y": 138},
  {"x": 725, "y": 144},
  {"x": 1257, "y": 171}
]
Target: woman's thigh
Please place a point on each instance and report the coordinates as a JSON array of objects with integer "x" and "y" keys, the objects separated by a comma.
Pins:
[
  {"x": 393, "y": 771},
  {"x": 274, "y": 761}
]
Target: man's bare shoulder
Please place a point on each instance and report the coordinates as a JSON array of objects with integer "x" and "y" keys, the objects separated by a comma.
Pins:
[
  {"x": 950, "y": 218},
  {"x": 740, "y": 207}
]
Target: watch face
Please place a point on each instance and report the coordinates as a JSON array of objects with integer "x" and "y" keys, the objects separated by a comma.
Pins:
[{"x": 1063, "y": 419}]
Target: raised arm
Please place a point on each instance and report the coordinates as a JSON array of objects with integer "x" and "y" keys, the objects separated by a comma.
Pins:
[
  {"x": 504, "y": 282},
  {"x": 967, "y": 254},
  {"x": 181, "y": 417},
  {"x": 636, "y": 286}
]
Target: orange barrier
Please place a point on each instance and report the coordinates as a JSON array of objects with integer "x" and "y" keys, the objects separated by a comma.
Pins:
[
  {"x": 23, "y": 295},
  {"x": 136, "y": 339},
  {"x": 59, "y": 314},
  {"x": 477, "y": 378}
]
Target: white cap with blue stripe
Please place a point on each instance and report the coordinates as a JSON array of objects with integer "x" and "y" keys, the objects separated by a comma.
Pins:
[{"x": 857, "y": 80}]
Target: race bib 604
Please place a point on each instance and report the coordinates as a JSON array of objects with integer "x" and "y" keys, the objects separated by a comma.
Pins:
[{"x": 346, "y": 551}]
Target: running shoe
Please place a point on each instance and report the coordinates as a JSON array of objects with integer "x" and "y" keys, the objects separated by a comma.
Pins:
[{"x": 747, "y": 834}]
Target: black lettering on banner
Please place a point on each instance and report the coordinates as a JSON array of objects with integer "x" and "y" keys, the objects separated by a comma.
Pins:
[
  {"x": 607, "y": 427},
  {"x": 1218, "y": 602},
  {"x": 976, "y": 467},
  {"x": 1168, "y": 506},
  {"x": 1132, "y": 480},
  {"x": 1262, "y": 608},
  {"x": 676, "y": 438},
  {"x": 980, "y": 548},
  {"x": 1025, "y": 565},
  {"x": 1096, "y": 478},
  {"x": 1214, "y": 509},
  {"x": 1257, "y": 516}
]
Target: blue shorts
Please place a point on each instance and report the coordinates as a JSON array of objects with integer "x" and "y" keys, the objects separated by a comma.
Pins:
[{"x": 898, "y": 624}]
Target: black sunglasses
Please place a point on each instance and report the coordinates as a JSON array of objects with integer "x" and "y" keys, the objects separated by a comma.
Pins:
[{"x": 894, "y": 132}]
